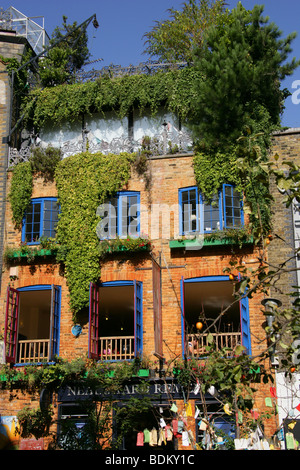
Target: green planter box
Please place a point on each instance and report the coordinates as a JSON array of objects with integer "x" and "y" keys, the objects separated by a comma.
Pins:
[
  {"x": 194, "y": 243},
  {"x": 122, "y": 248},
  {"x": 143, "y": 373},
  {"x": 43, "y": 252}
]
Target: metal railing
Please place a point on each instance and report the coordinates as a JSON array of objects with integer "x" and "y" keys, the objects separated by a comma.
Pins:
[
  {"x": 196, "y": 343},
  {"x": 35, "y": 350},
  {"x": 116, "y": 348}
]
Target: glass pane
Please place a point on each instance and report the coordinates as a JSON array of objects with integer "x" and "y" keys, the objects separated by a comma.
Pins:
[
  {"x": 50, "y": 218},
  {"x": 47, "y": 225},
  {"x": 189, "y": 210},
  {"x": 229, "y": 222},
  {"x": 228, "y": 191},
  {"x": 48, "y": 205}
]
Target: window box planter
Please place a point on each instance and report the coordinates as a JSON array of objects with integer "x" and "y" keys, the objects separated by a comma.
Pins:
[
  {"x": 143, "y": 373},
  {"x": 124, "y": 246},
  {"x": 35, "y": 253},
  {"x": 194, "y": 243}
]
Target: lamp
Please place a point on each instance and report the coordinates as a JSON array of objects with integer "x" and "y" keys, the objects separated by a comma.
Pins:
[{"x": 270, "y": 304}]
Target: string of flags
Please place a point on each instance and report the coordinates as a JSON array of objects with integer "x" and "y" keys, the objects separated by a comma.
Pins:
[
  {"x": 165, "y": 433},
  {"x": 254, "y": 440}
]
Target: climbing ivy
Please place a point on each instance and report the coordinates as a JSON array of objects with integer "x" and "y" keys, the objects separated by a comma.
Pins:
[
  {"x": 83, "y": 182},
  {"x": 213, "y": 167},
  {"x": 171, "y": 89},
  {"x": 20, "y": 191}
]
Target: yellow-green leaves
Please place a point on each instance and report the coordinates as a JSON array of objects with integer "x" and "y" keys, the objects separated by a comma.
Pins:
[
  {"x": 20, "y": 191},
  {"x": 83, "y": 182}
]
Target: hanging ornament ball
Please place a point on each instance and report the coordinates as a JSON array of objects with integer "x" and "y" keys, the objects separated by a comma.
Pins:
[{"x": 199, "y": 325}]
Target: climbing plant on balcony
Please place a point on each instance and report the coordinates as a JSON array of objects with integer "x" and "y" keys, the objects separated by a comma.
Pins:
[{"x": 172, "y": 89}]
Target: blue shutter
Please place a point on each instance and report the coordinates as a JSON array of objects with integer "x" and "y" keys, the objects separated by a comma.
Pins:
[
  {"x": 126, "y": 200},
  {"x": 233, "y": 214},
  {"x": 54, "y": 321},
  {"x": 182, "y": 220},
  {"x": 138, "y": 318},
  {"x": 245, "y": 324},
  {"x": 183, "y": 339}
]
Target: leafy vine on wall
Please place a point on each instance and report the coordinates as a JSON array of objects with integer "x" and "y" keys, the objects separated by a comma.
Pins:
[
  {"x": 83, "y": 181},
  {"x": 20, "y": 191},
  {"x": 213, "y": 168},
  {"x": 173, "y": 89}
]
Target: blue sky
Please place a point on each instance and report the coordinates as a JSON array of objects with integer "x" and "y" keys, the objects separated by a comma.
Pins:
[{"x": 119, "y": 39}]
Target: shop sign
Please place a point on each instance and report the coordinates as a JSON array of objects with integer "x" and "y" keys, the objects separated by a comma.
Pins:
[{"x": 160, "y": 389}]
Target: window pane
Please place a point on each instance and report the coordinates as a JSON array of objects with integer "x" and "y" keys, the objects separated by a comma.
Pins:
[
  {"x": 211, "y": 215},
  {"x": 50, "y": 218},
  {"x": 189, "y": 210},
  {"x": 130, "y": 216},
  {"x": 232, "y": 207},
  {"x": 32, "y": 222}
]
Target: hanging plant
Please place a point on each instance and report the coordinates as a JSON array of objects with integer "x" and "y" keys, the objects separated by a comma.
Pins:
[
  {"x": 124, "y": 245},
  {"x": 83, "y": 182}
]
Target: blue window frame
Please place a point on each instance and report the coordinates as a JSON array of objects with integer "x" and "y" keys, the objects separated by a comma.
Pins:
[
  {"x": 120, "y": 216},
  {"x": 244, "y": 318},
  {"x": 95, "y": 332},
  {"x": 40, "y": 219},
  {"x": 197, "y": 215},
  {"x": 50, "y": 319}
]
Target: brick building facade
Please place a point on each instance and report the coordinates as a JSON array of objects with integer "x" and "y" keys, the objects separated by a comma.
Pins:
[
  {"x": 162, "y": 294},
  {"x": 186, "y": 276}
]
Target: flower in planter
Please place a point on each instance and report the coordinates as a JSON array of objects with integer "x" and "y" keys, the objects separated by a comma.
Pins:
[{"x": 124, "y": 244}]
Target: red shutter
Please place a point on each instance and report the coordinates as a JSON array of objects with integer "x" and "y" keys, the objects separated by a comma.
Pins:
[
  {"x": 11, "y": 324},
  {"x": 94, "y": 322},
  {"x": 156, "y": 287}
]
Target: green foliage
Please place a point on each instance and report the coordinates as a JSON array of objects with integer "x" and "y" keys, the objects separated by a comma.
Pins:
[
  {"x": 127, "y": 416},
  {"x": 124, "y": 244},
  {"x": 241, "y": 166},
  {"x": 174, "y": 40},
  {"x": 231, "y": 373},
  {"x": 44, "y": 161},
  {"x": 53, "y": 69},
  {"x": 83, "y": 182},
  {"x": 29, "y": 253},
  {"x": 243, "y": 63},
  {"x": 75, "y": 42},
  {"x": 21, "y": 191},
  {"x": 68, "y": 55},
  {"x": 34, "y": 422},
  {"x": 171, "y": 89}
]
